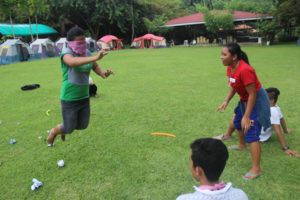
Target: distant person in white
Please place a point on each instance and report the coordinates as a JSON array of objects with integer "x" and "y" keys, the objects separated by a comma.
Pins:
[
  {"x": 276, "y": 120},
  {"x": 207, "y": 162}
]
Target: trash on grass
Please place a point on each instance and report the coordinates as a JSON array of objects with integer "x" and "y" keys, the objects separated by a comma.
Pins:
[
  {"x": 12, "y": 141},
  {"x": 36, "y": 184},
  {"x": 61, "y": 163}
]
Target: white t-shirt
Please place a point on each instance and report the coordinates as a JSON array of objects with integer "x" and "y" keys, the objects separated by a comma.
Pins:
[
  {"x": 276, "y": 115},
  {"x": 227, "y": 193}
]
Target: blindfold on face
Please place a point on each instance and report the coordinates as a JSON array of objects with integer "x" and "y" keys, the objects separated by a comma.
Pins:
[{"x": 78, "y": 46}]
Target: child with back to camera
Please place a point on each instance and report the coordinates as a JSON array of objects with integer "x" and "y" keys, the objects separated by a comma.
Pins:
[{"x": 207, "y": 162}]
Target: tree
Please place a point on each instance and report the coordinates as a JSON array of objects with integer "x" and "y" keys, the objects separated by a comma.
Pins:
[
  {"x": 154, "y": 26},
  {"x": 123, "y": 18},
  {"x": 38, "y": 8},
  {"x": 98, "y": 16},
  {"x": 8, "y": 9},
  {"x": 216, "y": 20},
  {"x": 267, "y": 29},
  {"x": 288, "y": 15}
]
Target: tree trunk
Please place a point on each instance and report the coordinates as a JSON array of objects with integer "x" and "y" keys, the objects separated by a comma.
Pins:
[
  {"x": 132, "y": 22},
  {"x": 12, "y": 27},
  {"x": 30, "y": 29},
  {"x": 36, "y": 24}
]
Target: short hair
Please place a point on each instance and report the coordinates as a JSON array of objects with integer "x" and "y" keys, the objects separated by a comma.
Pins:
[
  {"x": 211, "y": 155},
  {"x": 273, "y": 93},
  {"x": 74, "y": 32},
  {"x": 235, "y": 49}
]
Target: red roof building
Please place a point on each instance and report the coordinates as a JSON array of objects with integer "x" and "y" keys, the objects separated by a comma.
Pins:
[{"x": 198, "y": 18}]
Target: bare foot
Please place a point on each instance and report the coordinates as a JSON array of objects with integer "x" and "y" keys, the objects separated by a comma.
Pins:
[{"x": 51, "y": 137}]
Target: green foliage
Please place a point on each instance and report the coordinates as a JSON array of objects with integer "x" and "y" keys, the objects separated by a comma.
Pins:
[
  {"x": 267, "y": 29},
  {"x": 215, "y": 20},
  {"x": 256, "y": 6},
  {"x": 154, "y": 26},
  {"x": 4, "y": 37},
  {"x": 288, "y": 13},
  {"x": 298, "y": 31},
  {"x": 8, "y": 9}
]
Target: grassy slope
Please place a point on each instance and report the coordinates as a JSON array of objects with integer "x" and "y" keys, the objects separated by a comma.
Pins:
[{"x": 164, "y": 90}]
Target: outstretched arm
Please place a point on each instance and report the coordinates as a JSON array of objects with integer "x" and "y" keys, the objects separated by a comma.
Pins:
[
  {"x": 276, "y": 128},
  {"x": 97, "y": 69},
  {"x": 72, "y": 61},
  {"x": 227, "y": 99}
]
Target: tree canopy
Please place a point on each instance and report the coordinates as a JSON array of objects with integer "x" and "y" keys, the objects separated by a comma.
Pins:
[{"x": 128, "y": 19}]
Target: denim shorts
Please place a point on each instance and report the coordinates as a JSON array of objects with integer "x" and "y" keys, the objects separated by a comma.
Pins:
[
  {"x": 253, "y": 133},
  {"x": 76, "y": 115}
]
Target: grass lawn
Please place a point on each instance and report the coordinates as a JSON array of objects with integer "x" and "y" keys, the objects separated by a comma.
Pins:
[{"x": 175, "y": 90}]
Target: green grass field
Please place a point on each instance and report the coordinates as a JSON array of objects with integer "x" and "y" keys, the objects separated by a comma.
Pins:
[{"x": 175, "y": 90}]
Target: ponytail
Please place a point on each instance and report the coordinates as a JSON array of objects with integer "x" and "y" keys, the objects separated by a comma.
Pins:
[
  {"x": 244, "y": 57},
  {"x": 235, "y": 49}
]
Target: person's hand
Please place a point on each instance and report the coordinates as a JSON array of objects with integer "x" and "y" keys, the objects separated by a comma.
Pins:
[
  {"x": 109, "y": 72},
  {"x": 246, "y": 124},
  {"x": 102, "y": 53},
  {"x": 291, "y": 153},
  {"x": 288, "y": 131},
  {"x": 223, "y": 106}
]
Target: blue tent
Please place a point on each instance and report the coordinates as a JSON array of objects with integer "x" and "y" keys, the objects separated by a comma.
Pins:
[{"x": 14, "y": 50}]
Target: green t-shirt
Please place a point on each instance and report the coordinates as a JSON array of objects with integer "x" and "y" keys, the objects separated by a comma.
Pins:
[{"x": 75, "y": 79}]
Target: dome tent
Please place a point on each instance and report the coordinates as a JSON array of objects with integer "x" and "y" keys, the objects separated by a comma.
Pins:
[
  {"x": 14, "y": 50},
  {"x": 60, "y": 44},
  {"x": 44, "y": 48},
  {"x": 149, "y": 41},
  {"x": 91, "y": 44},
  {"x": 110, "y": 41}
]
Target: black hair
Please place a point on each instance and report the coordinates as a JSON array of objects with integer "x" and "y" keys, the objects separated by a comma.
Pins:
[
  {"x": 74, "y": 32},
  {"x": 273, "y": 93},
  {"x": 211, "y": 155},
  {"x": 235, "y": 49}
]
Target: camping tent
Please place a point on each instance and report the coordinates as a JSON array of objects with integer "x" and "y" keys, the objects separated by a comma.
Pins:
[
  {"x": 91, "y": 44},
  {"x": 149, "y": 41},
  {"x": 43, "y": 48},
  {"x": 14, "y": 50},
  {"x": 60, "y": 44},
  {"x": 111, "y": 42}
]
